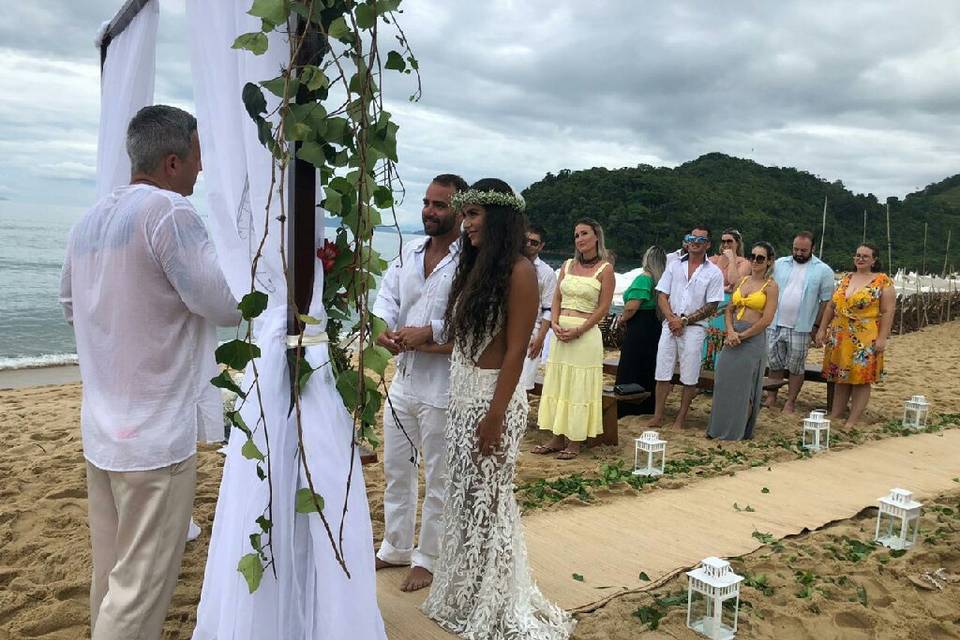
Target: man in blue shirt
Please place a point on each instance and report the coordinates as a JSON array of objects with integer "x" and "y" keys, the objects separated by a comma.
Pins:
[{"x": 806, "y": 285}]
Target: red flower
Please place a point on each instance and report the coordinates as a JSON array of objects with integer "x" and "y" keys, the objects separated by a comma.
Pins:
[{"x": 327, "y": 254}]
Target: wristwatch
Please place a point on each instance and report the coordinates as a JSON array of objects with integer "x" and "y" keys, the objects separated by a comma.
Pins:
[{"x": 684, "y": 320}]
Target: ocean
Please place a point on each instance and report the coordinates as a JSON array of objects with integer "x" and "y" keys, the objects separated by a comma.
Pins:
[{"x": 33, "y": 332}]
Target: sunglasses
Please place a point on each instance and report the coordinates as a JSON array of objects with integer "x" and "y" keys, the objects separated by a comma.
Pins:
[
  {"x": 696, "y": 239},
  {"x": 727, "y": 240},
  {"x": 758, "y": 258},
  {"x": 534, "y": 243},
  {"x": 861, "y": 256}
]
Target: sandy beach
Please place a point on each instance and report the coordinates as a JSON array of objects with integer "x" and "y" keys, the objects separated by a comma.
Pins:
[{"x": 845, "y": 590}]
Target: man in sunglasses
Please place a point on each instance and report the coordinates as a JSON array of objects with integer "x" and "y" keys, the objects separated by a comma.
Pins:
[
  {"x": 689, "y": 291},
  {"x": 546, "y": 282},
  {"x": 806, "y": 286}
]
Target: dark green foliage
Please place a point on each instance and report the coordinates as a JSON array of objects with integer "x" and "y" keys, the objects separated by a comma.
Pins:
[{"x": 644, "y": 205}]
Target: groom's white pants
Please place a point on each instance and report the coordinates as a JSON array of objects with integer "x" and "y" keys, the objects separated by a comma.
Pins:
[{"x": 425, "y": 426}]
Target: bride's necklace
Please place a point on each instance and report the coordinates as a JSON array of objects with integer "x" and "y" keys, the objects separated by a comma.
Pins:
[{"x": 589, "y": 262}]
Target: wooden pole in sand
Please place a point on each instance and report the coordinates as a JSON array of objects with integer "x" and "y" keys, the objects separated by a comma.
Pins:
[
  {"x": 889, "y": 245},
  {"x": 923, "y": 259},
  {"x": 823, "y": 228},
  {"x": 864, "y": 239},
  {"x": 946, "y": 254}
]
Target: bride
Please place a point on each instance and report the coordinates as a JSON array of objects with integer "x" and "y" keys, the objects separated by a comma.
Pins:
[{"x": 482, "y": 587}]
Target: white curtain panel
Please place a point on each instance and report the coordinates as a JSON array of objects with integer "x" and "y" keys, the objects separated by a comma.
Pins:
[
  {"x": 310, "y": 597},
  {"x": 126, "y": 86}
]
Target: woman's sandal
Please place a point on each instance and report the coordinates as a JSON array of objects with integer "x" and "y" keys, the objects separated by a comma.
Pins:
[
  {"x": 566, "y": 454},
  {"x": 544, "y": 450}
]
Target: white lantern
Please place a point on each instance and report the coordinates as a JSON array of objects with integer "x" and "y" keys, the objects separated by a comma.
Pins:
[
  {"x": 713, "y": 599},
  {"x": 898, "y": 520},
  {"x": 650, "y": 454},
  {"x": 816, "y": 432},
  {"x": 915, "y": 411}
]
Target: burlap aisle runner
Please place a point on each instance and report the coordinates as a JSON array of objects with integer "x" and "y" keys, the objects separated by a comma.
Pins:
[{"x": 669, "y": 530}]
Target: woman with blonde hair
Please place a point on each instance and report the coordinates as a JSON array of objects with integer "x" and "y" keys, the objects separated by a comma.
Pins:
[
  {"x": 734, "y": 267},
  {"x": 738, "y": 383},
  {"x": 571, "y": 405}
]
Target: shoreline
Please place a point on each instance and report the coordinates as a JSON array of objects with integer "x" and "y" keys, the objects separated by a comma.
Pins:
[{"x": 57, "y": 374}]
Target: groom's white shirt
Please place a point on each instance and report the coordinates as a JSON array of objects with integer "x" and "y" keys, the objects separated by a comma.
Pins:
[{"x": 142, "y": 288}]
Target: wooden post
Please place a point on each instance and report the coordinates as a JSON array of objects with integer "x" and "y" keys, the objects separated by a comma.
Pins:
[
  {"x": 864, "y": 226},
  {"x": 889, "y": 245},
  {"x": 823, "y": 228},
  {"x": 946, "y": 254},
  {"x": 923, "y": 259}
]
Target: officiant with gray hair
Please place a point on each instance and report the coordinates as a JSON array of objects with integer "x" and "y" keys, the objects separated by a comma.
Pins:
[{"x": 144, "y": 292}]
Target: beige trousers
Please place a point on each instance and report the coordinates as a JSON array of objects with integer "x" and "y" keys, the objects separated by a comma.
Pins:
[{"x": 138, "y": 529}]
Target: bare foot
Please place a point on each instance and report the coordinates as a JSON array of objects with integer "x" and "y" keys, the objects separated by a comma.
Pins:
[
  {"x": 769, "y": 402},
  {"x": 655, "y": 421},
  {"x": 417, "y": 579},
  {"x": 383, "y": 564},
  {"x": 678, "y": 423},
  {"x": 788, "y": 408}
]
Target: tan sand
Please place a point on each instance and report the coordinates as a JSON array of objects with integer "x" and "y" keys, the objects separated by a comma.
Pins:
[{"x": 44, "y": 546}]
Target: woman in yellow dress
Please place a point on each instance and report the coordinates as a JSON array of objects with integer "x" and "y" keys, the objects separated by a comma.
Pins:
[
  {"x": 854, "y": 332},
  {"x": 571, "y": 405}
]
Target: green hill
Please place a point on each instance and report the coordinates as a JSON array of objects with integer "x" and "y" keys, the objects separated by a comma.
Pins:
[{"x": 647, "y": 205}]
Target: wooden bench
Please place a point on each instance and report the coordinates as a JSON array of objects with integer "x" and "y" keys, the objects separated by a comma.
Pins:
[
  {"x": 610, "y": 366},
  {"x": 610, "y": 433}
]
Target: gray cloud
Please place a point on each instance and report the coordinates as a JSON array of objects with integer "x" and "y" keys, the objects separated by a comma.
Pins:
[{"x": 868, "y": 92}]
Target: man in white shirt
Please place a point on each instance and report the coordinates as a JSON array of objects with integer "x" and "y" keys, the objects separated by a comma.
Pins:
[
  {"x": 143, "y": 290},
  {"x": 412, "y": 301},
  {"x": 806, "y": 286},
  {"x": 689, "y": 291},
  {"x": 546, "y": 283}
]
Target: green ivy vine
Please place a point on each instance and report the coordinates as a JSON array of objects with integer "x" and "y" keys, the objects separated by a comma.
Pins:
[{"x": 331, "y": 111}]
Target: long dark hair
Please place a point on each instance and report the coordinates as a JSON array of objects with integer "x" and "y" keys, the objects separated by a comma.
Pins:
[{"x": 478, "y": 295}]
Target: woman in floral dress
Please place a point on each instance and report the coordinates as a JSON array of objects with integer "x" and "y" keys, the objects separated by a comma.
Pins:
[{"x": 854, "y": 332}]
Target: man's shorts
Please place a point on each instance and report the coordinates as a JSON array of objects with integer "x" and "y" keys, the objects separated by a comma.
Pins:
[
  {"x": 687, "y": 348},
  {"x": 787, "y": 349}
]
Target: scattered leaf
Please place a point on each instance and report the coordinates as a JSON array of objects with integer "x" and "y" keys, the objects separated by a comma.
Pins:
[
  {"x": 578, "y": 577},
  {"x": 764, "y": 490},
  {"x": 643, "y": 576}
]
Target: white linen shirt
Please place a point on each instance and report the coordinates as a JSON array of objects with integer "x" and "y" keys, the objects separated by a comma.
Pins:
[
  {"x": 141, "y": 287},
  {"x": 407, "y": 299},
  {"x": 686, "y": 296},
  {"x": 546, "y": 284}
]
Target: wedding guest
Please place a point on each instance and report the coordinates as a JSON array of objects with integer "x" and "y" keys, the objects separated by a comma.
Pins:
[
  {"x": 411, "y": 301},
  {"x": 483, "y": 587},
  {"x": 546, "y": 284},
  {"x": 143, "y": 290},
  {"x": 735, "y": 267},
  {"x": 571, "y": 405},
  {"x": 806, "y": 284},
  {"x": 638, "y": 351},
  {"x": 738, "y": 383},
  {"x": 854, "y": 332},
  {"x": 689, "y": 291}
]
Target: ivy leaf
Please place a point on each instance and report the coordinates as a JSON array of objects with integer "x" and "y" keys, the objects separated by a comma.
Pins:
[
  {"x": 236, "y": 354},
  {"x": 306, "y": 502},
  {"x": 253, "y": 100},
  {"x": 338, "y": 29},
  {"x": 276, "y": 86},
  {"x": 305, "y": 319},
  {"x": 366, "y": 16},
  {"x": 314, "y": 78},
  {"x": 578, "y": 577},
  {"x": 237, "y": 420},
  {"x": 333, "y": 202},
  {"x": 764, "y": 490},
  {"x": 312, "y": 152},
  {"x": 377, "y": 326},
  {"x": 251, "y": 568},
  {"x": 255, "y": 42},
  {"x": 250, "y": 451},
  {"x": 376, "y": 358},
  {"x": 265, "y": 525},
  {"x": 274, "y": 11},
  {"x": 252, "y": 304},
  {"x": 385, "y": 6},
  {"x": 643, "y": 576},
  {"x": 413, "y": 62},
  {"x": 383, "y": 197},
  {"x": 224, "y": 381},
  {"x": 367, "y": 433},
  {"x": 347, "y": 386},
  {"x": 395, "y": 61}
]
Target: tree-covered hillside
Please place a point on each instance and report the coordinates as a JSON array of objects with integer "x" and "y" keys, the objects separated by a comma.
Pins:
[{"x": 645, "y": 205}]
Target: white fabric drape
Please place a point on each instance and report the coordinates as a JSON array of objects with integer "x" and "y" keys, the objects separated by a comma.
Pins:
[
  {"x": 126, "y": 86},
  {"x": 310, "y": 598}
]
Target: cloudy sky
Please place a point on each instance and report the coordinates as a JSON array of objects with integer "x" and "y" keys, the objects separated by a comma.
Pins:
[{"x": 865, "y": 92}]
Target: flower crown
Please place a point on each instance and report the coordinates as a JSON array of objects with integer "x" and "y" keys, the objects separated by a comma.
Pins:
[{"x": 483, "y": 198}]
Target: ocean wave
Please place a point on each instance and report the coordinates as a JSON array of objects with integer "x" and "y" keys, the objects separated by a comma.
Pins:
[{"x": 34, "y": 362}]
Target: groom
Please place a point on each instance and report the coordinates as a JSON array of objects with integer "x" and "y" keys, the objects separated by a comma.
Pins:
[{"x": 412, "y": 301}]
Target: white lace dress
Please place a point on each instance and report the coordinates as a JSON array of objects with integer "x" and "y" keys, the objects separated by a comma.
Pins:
[{"x": 482, "y": 588}]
